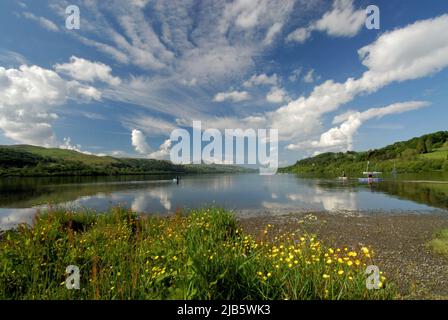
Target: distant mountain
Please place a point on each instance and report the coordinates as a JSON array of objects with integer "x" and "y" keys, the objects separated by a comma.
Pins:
[
  {"x": 27, "y": 160},
  {"x": 421, "y": 154}
]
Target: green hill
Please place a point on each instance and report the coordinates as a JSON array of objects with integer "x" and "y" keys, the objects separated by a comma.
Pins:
[
  {"x": 422, "y": 154},
  {"x": 27, "y": 160}
]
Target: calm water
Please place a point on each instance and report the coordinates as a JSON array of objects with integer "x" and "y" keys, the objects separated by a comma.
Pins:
[{"x": 21, "y": 197}]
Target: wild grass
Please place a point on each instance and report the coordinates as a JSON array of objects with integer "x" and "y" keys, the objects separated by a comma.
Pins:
[
  {"x": 440, "y": 243},
  {"x": 201, "y": 255}
]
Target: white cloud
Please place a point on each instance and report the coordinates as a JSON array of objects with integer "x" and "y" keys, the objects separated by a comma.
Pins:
[
  {"x": 150, "y": 125},
  {"x": 409, "y": 53},
  {"x": 139, "y": 3},
  {"x": 272, "y": 32},
  {"x": 115, "y": 53},
  {"x": 138, "y": 141},
  {"x": 163, "y": 152},
  {"x": 215, "y": 62},
  {"x": 245, "y": 14},
  {"x": 44, "y": 22},
  {"x": 277, "y": 95},
  {"x": 11, "y": 58},
  {"x": 299, "y": 35},
  {"x": 261, "y": 79},
  {"x": 295, "y": 74},
  {"x": 341, "y": 21},
  {"x": 86, "y": 93},
  {"x": 301, "y": 119},
  {"x": 309, "y": 77},
  {"x": 212, "y": 41},
  {"x": 235, "y": 96},
  {"x": 69, "y": 146},
  {"x": 341, "y": 137},
  {"x": 85, "y": 70},
  {"x": 414, "y": 51},
  {"x": 221, "y": 43},
  {"x": 190, "y": 83},
  {"x": 29, "y": 99}
]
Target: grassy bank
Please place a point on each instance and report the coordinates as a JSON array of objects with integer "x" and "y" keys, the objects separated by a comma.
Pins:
[{"x": 202, "y": 255}]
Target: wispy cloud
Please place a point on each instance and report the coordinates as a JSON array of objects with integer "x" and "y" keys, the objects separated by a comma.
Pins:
[
  {"x": 44, "y": 22},
  {"x": 235, "y": 96},
  {"x": 343, "y": 20}
]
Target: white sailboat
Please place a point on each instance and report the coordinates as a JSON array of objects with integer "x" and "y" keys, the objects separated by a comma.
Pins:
[{"x": 371, "y": 176}]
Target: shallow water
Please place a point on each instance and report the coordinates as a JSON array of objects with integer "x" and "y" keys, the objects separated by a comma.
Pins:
[{"x": 21, "y": 197}]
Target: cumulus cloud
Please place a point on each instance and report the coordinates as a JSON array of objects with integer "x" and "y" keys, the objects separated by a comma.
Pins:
[
  {"x": 163, "y": 152},
  {"x": 299, "y": 35},
  {"x": 222, "y": 40},
  {"x": 409, "y": 53},
  {"x": 67, "y": 145},
  {"x": 138, "y": 141},
  {"x": 277, "y": 95},
  {"x": 235, "y": 96},
  {"x": 412, "y": 52},
  {"x": 85, "y": 70},
  {"x": 261, "y": 79},
  {"x": 29, "y": 99},
  {"x": 341, "y": 137},
  {"x": 405, "y": 58},
  {"x": 341, "y": 21}
]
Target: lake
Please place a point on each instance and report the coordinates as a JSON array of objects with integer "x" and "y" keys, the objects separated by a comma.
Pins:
[{"x": 20, "y": 198}]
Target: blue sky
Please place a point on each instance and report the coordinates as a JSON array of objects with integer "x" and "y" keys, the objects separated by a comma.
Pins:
[{"x": 311, "y": 69}]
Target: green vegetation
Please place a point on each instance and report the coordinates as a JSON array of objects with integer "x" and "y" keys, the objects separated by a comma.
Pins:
[
  {"x": 440, "y": 243},
  {"x": 202, "y": 255},
  {"x": 25, "y": 160},
  {"x": 424, "y": 154}
]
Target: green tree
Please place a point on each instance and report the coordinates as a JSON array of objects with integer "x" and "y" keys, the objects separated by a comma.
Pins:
[
  {"x": 428, "y": 145},
  {"x": 421, "y": 146}
]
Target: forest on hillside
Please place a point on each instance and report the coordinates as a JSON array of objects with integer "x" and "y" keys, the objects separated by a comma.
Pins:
[{"x": 422, "y": 154}]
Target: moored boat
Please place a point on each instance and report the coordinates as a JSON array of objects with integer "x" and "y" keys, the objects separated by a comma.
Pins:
[{"x": 371, "y": 176}]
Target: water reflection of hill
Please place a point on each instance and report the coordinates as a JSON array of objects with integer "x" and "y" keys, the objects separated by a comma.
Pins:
[
  {"x": 432, "y": 194},
  {"x": 28, "y": 192}
]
